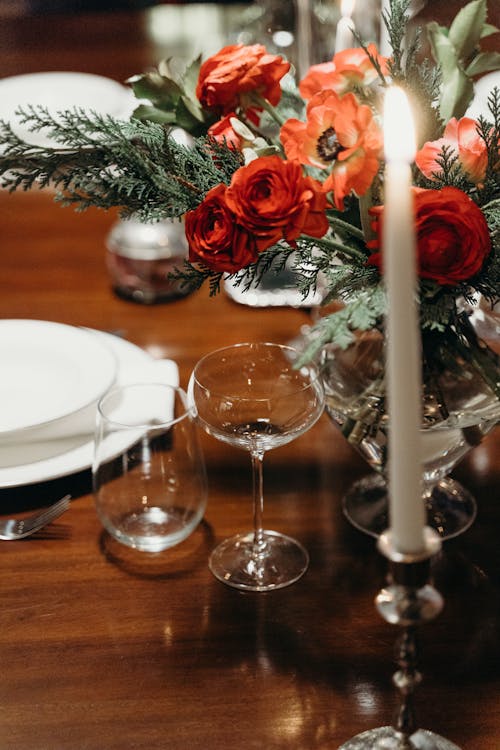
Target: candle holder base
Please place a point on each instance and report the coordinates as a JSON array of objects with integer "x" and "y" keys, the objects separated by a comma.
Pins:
[
  {"x": 387, "y": 738},
  {"x": 408, "y": 600}
]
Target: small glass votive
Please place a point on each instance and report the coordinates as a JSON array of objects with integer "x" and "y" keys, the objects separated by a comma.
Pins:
[
  {"x": 141, "y": 256},
  {"x": 149, "y": 476}
]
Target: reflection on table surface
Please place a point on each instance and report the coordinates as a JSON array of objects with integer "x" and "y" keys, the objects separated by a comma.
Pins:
[{"x": 106, "y": 648}]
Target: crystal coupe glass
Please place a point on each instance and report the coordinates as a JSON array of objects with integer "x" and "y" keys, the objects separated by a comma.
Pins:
[{"x": 252, "y": 396}]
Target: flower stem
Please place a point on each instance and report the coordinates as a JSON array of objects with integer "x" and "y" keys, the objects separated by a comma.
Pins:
[
  {"x": 345, "y": 249},
  {"x": 262, "y": 103},
  {"x": 365, "y": 203},
  {"x": 344, "y": 226}
]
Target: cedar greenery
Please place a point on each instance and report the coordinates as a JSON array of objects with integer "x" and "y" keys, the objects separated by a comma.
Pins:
[
  {"x": 138, "y": 166},
  {"x": 106, "y": 162}
]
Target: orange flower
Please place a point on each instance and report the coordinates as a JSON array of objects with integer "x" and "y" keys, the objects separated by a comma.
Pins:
[
  {"x": 453, "y": 239},
  {"x": 349, "y": 69},
  {"x": 466, "y": 143},
  {"x": 273, "y": 200},
  {"x": 340, "y": 135},
  {"x": 215, "y": 240},
  {"x": 237, "y": 70}
]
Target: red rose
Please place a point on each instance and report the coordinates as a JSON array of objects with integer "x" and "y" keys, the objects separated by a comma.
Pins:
[
  {"x": 214, "y": 238},
  {"x": 236, "y": 70},
  {"x": 453, "y": 239},
  {"x": 273, "y": 200}
]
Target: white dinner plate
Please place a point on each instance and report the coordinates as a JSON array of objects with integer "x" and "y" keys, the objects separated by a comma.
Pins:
[
  {"x": 60, "y": 91},
  {"x": 31, "y": 462},
  {"x": 48, "y": 372}
]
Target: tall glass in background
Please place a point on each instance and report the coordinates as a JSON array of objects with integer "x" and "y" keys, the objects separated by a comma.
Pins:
[{"x": 303, "y": 31}]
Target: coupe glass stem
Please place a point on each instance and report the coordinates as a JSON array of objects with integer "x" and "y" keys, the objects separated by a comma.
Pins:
[{"x": 258, "y": 502}]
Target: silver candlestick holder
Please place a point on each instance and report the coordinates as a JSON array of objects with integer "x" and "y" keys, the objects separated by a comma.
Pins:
[{"x": 408, "y": 600}]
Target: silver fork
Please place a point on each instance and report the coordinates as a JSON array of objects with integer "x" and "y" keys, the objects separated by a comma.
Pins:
[{"x": 17, "y": 528}]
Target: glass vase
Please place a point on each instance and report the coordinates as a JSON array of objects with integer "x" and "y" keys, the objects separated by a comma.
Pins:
[{"x": 460, "y": 406}]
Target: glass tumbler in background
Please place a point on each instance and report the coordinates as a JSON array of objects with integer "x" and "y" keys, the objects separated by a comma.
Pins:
[
  {"x": 149, "y": 475},
  {"x": 140, "y": 257}
]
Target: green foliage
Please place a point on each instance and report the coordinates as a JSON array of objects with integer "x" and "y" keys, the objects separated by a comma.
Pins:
[
  {"x": 420, "y": 78},
  {"x": 139, "y": 167},
  {"x": 190, "y": 277},
  {"x": 437, "y": 307},
  {"x": 489, "y": 129},
  {"x": 105, "y": 162},
  {"x": 449, "y": 174},
  {"x": 362, "y": 313},
  {"x": 172, "y": 97},
  {"x": 395, "y": 21},
  {"x": 489, "y": 283},
  {"x": 458, "y": 53}
]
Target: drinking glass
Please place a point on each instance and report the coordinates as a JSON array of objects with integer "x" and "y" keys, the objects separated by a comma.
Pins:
[
  {"x": 148, "y": 473},
  {"x": 254, "y": 397}
]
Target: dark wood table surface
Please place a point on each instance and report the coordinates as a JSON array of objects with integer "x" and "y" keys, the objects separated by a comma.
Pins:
[{"x": 104, "y": 648}]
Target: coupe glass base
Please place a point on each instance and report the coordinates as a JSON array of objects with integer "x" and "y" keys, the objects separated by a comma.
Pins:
[
  {"x": 451, "y": 509},
  {"x": 386, "y": 738},
  {"x": 281, "y": 561}
]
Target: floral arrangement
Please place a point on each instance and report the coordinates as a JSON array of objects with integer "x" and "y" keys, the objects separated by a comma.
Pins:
[{"x": 280, "y": 171}]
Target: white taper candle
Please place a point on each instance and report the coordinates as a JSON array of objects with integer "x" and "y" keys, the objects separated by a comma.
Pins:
[
  {"x": 304, "y": 36},
  {"x": 404, "y": 369},
  {"x": 344, "y": 38}
]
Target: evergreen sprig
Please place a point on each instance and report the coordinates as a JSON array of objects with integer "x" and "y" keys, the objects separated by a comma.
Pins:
[
  {"x": 192, "y": 277},
  {"x": 406, "y": 68},
  {"x": 450, "y": 173},
  {"x": 489, "y": 130},
  {"x": 395, "y": 21},
  {"x": 136, "y": 166},
  {"x": 361, "y": 314}
]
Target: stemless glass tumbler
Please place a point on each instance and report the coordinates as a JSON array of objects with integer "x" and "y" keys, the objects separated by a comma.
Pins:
[
  {"x": 149, "y": 476},
  {"x": 254, "y": 397}
]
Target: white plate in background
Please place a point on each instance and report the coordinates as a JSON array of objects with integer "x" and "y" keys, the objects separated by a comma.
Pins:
[
  {"x": 60, "y": 91},
  {"x": 49, "y": 372}
]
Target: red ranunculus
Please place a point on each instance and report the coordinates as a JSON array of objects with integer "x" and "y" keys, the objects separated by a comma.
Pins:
[
  {"x": 452, "y": 235},
  {"x": 237, "y": 70},
  {"x": 273, "y": 200},
  {"x": 215, "y": 239}
]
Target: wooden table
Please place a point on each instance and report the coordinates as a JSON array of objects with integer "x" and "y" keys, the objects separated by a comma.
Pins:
[{"x": 103, "y": 648}]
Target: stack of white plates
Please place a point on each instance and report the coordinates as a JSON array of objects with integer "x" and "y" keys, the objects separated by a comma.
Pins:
[{"x": 51, "y": 378}]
